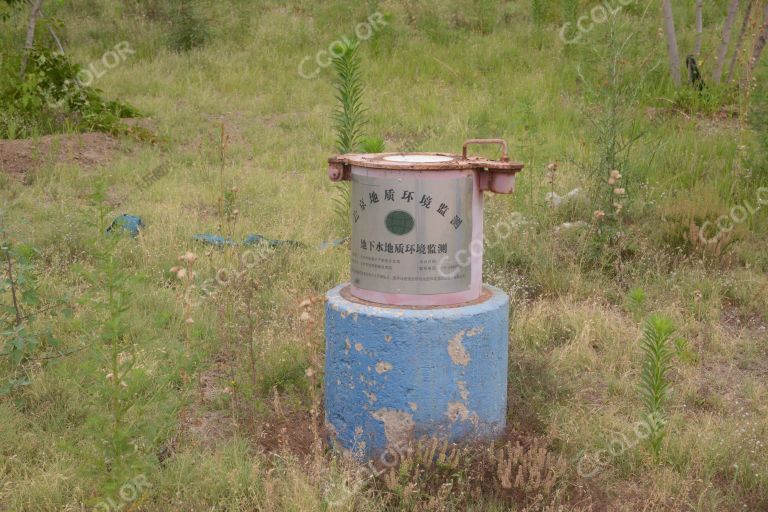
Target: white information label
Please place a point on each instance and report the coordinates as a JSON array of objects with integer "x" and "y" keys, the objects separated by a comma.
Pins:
[{"x": 406, "y": 234}]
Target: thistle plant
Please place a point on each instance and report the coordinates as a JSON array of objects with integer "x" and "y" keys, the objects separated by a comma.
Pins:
[
  {"x": 187, "y": 276},
  {"x": 654, "y": 384}
]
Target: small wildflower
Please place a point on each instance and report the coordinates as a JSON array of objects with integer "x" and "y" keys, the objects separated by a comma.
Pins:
[
  {"x": 618, "y": 207},
  {"x": 305, "y": 317},
  {"x": 181, "y": 273},
  {"x": 599, "y": 214},
  {"x": 175, "y": 269},
  {"x": 110, "y": 376},
  {"x": 189, "y": 320},
  {"x": 309, "y": 372},
  {"x": 615, "y": 174},
  {"x": 305, "y": 303},
  {"x": 123, "y": 384},
  {"x": 619, "y": 191},
  {"x": 552, "y": 166}
]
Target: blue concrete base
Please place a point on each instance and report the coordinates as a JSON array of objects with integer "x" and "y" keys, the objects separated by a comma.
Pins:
[{"x": 395, "y": 374}]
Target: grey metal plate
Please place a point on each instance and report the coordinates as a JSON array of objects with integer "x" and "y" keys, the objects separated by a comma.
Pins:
[{"x": 406, "y": 233}]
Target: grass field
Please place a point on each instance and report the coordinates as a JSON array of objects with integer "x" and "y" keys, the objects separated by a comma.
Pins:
[{"x": 145, "y": 393}]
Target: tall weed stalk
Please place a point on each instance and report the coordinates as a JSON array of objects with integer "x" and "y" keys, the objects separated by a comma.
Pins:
[
  {"x": 111, "y": 283},
  {"x": 654, "y": 382},
  {"x": 349, "y": 121}
]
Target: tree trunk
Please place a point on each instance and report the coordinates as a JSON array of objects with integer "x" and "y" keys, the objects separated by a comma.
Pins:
[
  {"x": 760, "y": 42},
  {"x": 740, "y": 40},
  {"x": 699, "y": 27},
  {"x": 50, "y": 29},
  {"x": 30, "y": 41},
  {"x": 669, "y": 29},
  {"x": 726, "y": 39}
]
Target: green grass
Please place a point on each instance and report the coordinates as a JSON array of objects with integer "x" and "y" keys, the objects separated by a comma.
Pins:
[{"x": 437, "y": 74}]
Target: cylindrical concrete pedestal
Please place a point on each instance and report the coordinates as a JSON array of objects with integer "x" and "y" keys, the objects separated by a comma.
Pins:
[{"x": 395, "y": 374}]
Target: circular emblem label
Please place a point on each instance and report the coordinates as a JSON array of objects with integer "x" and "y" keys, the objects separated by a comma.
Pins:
[{"x": 399, "y": 222}]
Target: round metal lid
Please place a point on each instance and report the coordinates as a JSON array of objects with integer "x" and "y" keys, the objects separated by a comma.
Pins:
[
  {"x": 431, "y": 161},
  {"x": 423, "y": 162}
]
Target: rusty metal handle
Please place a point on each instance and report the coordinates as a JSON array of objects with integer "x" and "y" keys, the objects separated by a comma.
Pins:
[{"x": 501, "y": 142}]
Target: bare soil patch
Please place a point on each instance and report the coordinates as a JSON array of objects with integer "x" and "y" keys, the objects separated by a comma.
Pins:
[{"x": 19, "y": 157}]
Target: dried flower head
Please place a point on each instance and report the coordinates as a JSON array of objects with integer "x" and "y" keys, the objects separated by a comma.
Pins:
[
  {"x": 181, "y": 273},
  {"x": 309, "y": 372},
  {"x": 552, "y": 166},
  {"x": 189, "y": 320},
  {"x": 188, "y": 257},
  {"x": 619, "y": 191},
  {"x": 618, "y": 207},
  {"x": 599, "y": 214},
  {"x": 305, "y": 317},
  {"x": 615, "y": 174}
]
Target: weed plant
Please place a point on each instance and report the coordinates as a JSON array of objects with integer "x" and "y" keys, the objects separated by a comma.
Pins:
[{"x": 654, "y": 379}]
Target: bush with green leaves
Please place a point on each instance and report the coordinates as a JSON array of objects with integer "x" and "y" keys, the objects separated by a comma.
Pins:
[
  {"x": 26, "y": 333},
  {"x": 50, "y": 98}
]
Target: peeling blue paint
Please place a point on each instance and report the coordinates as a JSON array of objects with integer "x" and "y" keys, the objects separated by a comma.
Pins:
[{"x": 434, "y": 372}]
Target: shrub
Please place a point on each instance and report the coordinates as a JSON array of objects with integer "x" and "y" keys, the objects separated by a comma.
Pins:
[
  {"x": 51, "y": 96},
  {"x": 189, "y": 30}
]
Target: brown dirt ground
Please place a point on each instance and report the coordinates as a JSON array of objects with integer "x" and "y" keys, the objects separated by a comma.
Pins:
[
  {"x": 281, "y": 429},
  {"x": 20, "y": 157}
]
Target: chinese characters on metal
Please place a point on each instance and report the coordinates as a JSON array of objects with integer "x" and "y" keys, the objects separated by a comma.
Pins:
[{"x": 406, "y": 233}]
